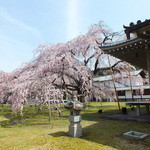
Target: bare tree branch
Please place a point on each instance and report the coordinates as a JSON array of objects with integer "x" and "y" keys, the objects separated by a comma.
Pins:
[{"x": 106, "y": 68}]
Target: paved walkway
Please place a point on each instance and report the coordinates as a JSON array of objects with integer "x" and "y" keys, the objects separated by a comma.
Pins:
[{"x": 131, "y": 116}]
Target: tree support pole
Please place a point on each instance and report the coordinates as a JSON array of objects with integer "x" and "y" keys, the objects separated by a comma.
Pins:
[
  {"x": 130, "y": 82},
  {"x": 148, "y": 60},
  {"x": 113, "y": 78}
]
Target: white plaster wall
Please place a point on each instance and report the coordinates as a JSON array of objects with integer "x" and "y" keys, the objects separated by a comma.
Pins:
[{"x": 128, "y": 94}]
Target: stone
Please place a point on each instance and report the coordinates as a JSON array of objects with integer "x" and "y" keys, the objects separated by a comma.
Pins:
[
  {"x": 135, "y": 135},
  {"x": 75, "y": 129},
  {"x": 77, "y": 118}
]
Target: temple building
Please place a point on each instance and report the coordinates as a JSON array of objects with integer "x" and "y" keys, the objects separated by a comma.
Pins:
[
  {"x": 140, "y": 88},
  {"x": 134, "y": 50}
]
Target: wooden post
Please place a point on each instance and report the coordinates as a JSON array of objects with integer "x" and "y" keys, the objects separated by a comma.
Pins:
[
  {"x": 147, "y": 109},
  {"x": 113, "y": 79},
  {"x": 138, "y": 111},
  {"x": 49, "y": 110},
  {"x": 148, "y": 60},
  {"x": 130, "y": 82}
]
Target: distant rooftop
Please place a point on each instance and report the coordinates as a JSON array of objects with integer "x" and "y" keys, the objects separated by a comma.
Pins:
[
  {"x": 132, "y": 50},
  {"x": 109, "y": 77}
]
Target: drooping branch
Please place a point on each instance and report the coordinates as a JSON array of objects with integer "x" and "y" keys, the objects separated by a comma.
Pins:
[
  {"x": 58, "y": 68},
  {"x": 107, "y": 68},
  {"x": 96, "y": 64},
  {"x": 86, "y": 61}
]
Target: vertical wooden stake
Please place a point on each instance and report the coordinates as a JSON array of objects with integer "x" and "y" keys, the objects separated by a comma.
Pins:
[
  {"x": 113, "y": 79},
  {"x": 147, "y": 49},
  {"x": 49, "y": 108},
  {"x": 130, "y": 82}
]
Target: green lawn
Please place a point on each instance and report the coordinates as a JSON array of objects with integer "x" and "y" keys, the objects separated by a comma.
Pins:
[{"x": 35, "y": 132}]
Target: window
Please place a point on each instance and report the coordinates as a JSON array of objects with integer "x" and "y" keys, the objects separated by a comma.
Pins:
[
  {"x": 146, "y": 92},
  {"x": 121, "y": 93}
]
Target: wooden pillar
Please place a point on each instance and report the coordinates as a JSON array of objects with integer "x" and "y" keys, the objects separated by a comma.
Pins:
[
  {"x": 130, "y": 82},
  {"x": 113, "y": 79},
  {"x": 148, "y": 60},
  {"x": 147, "y": 108},
  {"x": 138, "y": 111}
]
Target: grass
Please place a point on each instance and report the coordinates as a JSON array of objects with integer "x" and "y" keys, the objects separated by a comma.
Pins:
[{"x": 34, "y": 131}]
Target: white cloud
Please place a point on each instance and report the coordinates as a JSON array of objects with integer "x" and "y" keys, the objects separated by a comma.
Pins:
[
  {"x": 5, "y": 15},
  {"x": 73, "y": 18}
]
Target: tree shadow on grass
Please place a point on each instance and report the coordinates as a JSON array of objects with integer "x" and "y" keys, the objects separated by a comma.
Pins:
[
  {"x": 110, "y": 132},
  {"x": 95, "y": 133},
  {"x": 58, "y": 134},
  {"x": 103, "y": 134},
  {"x": 30, "y": 117},
  {"x": 96, "y": 116}
]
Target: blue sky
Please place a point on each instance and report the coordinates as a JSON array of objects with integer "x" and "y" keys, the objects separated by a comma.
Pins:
[{"x": 24, "y": 24}]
